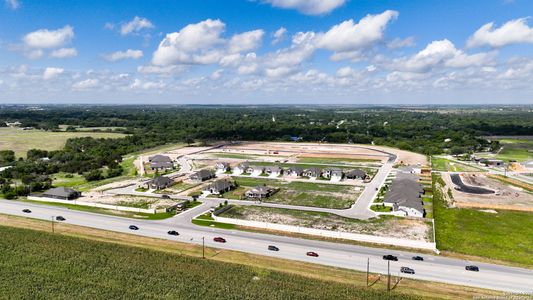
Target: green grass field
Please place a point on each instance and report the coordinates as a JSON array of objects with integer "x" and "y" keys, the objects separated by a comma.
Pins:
[
  {"x": 314, "y": 194},
  {"x": 445, "y": 165},
  {"x": 21, "y": 141},
  {"x": 516, "y": 150},
  {"x": 503, "y": 236},
  {"x": 39, "y": 265}
]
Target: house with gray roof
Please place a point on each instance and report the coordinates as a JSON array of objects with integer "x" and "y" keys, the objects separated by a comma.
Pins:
[
  {"x": 313, "y": 172},
  {"x": 62, "y": 193},
  {"x": 333, "y": 174},
  {"x": 219, "y": 187},
  {"x": 159, "y": 183},
  {"x": 255, "y": 170},
  {"x": 295, "y": 171},
  {"x": 356, "y": 174},
  {"x": 241, "y": 168},
  {"x": 222, "y": 167},
  {"x": 203, "y": 175},
  {"x": 273, "y": 171},
  {"x": 405, "y": 195},
  {"x": 160, "y": 163},
  {"x": 260, "y": 192}
]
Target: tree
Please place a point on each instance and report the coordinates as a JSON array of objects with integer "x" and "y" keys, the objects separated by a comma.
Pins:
[
  {"x": 93, "y": 175},
  {"x": 455, "y": 151},
  {"x": 7, "y": 156}
]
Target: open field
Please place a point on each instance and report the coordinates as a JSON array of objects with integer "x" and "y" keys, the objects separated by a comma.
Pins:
[
  {"x": 517, "y": 149},
  {"x": 504, "y": 235},
  {"x": 299, "y": 193},
  {"x": 387, "y": 226},
  {"x": 76, "y": 271},
  {"x": 445, "y": 165},
  {"x": 79, "y": 128},
  {"x": 337, "y": 160},
  {"x": 21, "y": 141},
  {"x": 262, "y": 265}
]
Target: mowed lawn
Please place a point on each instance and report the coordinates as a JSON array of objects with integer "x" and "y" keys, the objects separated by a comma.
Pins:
[
  {"x": 314, "y": 193},
  {"x": 506, "y": 235},
  {"x": 21, "y": 141},
  {"x": 445, "y": 165},
  {"x": 518, "y": 150},
  {"x": 39, "y": 265}
]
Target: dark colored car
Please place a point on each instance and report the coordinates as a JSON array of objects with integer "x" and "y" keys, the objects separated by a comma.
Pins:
[
  {"x": 133, "y": 227},
  {"x": 60, "y": 218},
  {"x": 420, "y": 258},
  {"x": 219, "y": 240},
  {"x": 390, "y": 257},
  {"x": 311, "y": 253},
  {"x": 273, "y": 248},
  {"x": 173, "y": 232},
  {"x": 472, "y": 268},
  {"x": 165, "y": 197},
  {"x": 26, "y": 211},
  {"x": 407, "y": 270}
]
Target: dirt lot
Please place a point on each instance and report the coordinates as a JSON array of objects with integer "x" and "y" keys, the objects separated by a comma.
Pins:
[
  {"x": 327, "y": 150},
  {"x": 419, "y": 230},
  {"x": 506, "y": 196},
  {"x": 126, "y": 200}
]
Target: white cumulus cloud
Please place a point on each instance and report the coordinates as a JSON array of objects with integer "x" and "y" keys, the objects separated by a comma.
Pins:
[
  {"x": 86, "y": 84},
  {"x": 279, "y": 35},
  {"x": 308, "y": 7},
  {"x": 64, "y": 52},
  {"x": 513, "y": 32},
  {"x": 246, "y": 41},
  {"x": 135, "y": 25},
  {"x": 120, "y": 55},
  {"x": 51, "y": 73},
  {"x": 349, "y": 36},
  {"x": 13, "y": 4},
  {"x": 44, "y": 38}
]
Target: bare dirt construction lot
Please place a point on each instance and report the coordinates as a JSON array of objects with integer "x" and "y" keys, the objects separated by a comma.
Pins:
[
  {"x": 505, "y": 196},
  {"x": 127, "y": 200},
  {"x": 363, "y": 152},
  {"x": 385, "y": 226}
]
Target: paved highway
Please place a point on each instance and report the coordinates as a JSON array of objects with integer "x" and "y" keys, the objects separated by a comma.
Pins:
[{"x": 434, "y": 268}]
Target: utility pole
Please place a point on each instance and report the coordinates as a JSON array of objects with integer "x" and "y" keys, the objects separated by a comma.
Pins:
[
  {"x": 367, "y": 270},
  {"x": 53, "y": 224},
  {"x": 203, "y": 247},
  {"x": 388, "y": 274}
]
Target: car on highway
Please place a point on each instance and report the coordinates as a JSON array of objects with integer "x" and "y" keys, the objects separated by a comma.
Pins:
[
  {"x": 472, "y": 268},
  {"x": 273, "y": 248},
  {"x": 390, "y": 257},
  {"x": 165, "y": 196},
  {"x": 133, "y": 227},
  {"x": 407, "y": 270},
  {"x": 172, "y": 232},
  {"x": 311, "y": 253},
  {"x": 60, "y": 218},
  {"x": 219, "y": 239},
  {"x": 420, "y": 258},
  {"x": 26, "y": 211}
]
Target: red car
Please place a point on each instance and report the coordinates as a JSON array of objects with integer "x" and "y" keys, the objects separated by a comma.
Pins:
[
  {"x": 219, "y": 240},
  {"x": 313, "y": 254}
]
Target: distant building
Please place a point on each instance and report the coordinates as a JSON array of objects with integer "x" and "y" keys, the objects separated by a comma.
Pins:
[
  {"x": 255, "y": 170},
  {"x": 333, "y": 174},
  {"x": 273, "y": 171},
  {"x": 203, "y": 175},
  {"x": 61, "y": 193},
  {"x": 219, "y": 187},
  {"x": 356, "y": 174},
  {"x": 295, "y": 171},
  {"x": 222, "y": 167},
  {"x": 260, "y": 192},
  {"x": 313, "y": 172},
  {"x": 161, "y": 162},
  {"x": 241, "y": 168},
  {"x": 160, "y": 183}
]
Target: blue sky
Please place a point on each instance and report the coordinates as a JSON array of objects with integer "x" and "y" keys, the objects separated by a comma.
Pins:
[{"x": 267, "y": 51}]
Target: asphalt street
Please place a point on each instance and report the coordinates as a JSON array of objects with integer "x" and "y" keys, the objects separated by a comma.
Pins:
[{"x": 433, "y": 268}]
